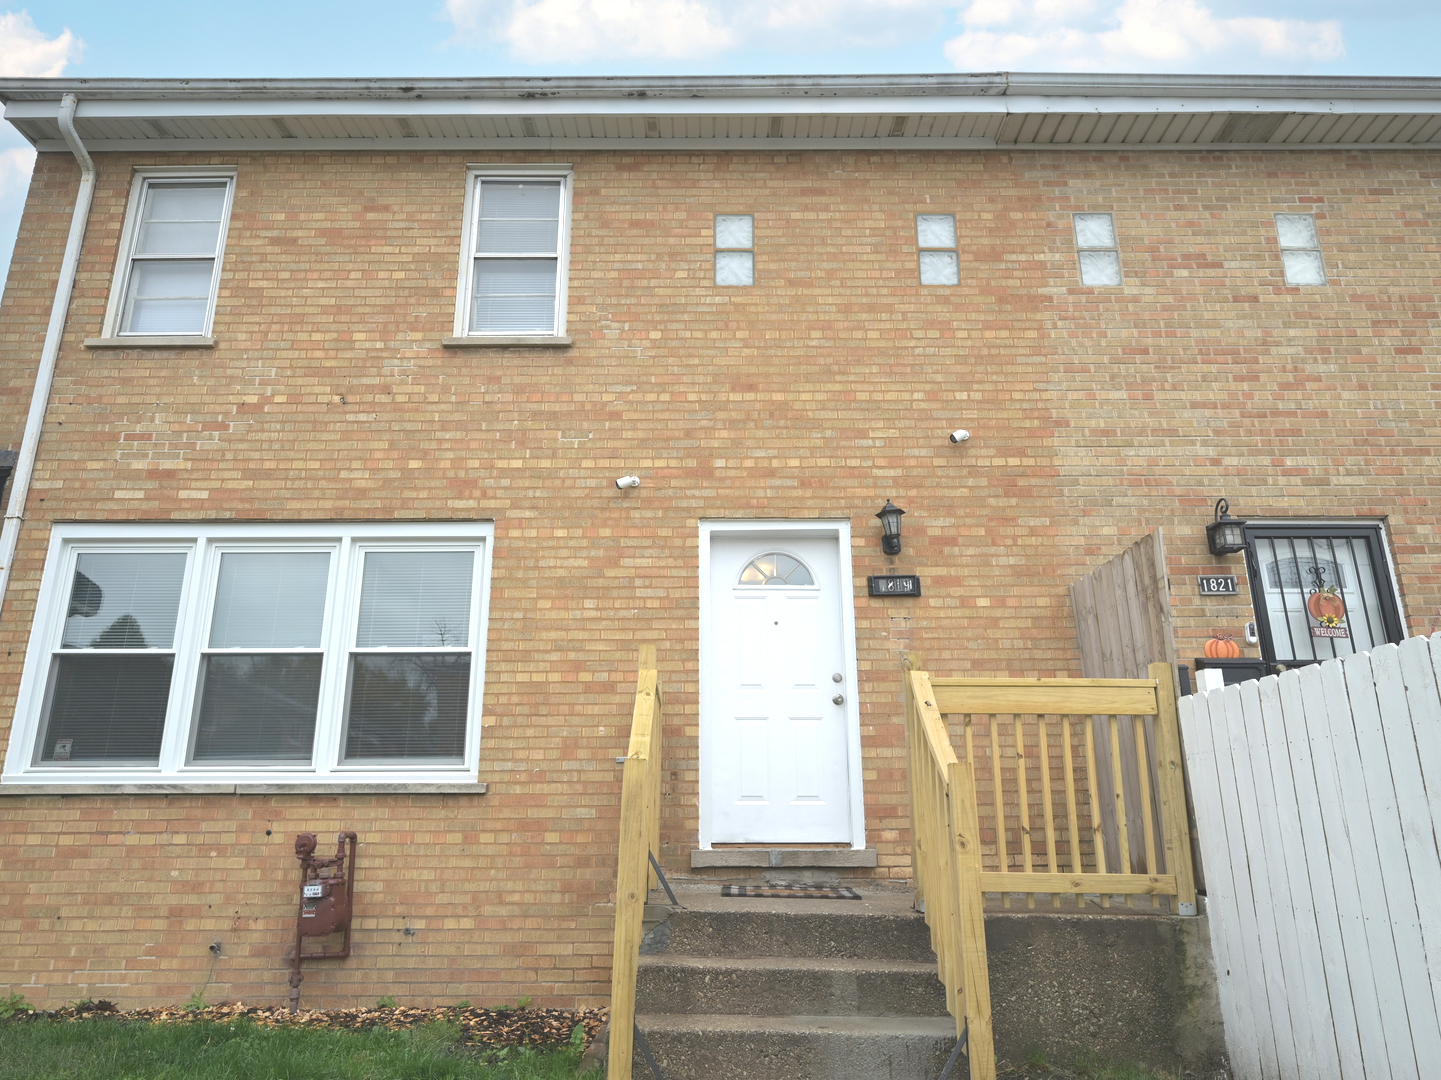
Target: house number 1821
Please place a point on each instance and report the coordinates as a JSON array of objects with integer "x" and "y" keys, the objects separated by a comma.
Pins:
[{"x": 1217, "y": 584}]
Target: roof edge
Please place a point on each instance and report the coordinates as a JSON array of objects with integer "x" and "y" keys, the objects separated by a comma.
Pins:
[{"x": 578, "y": 87}]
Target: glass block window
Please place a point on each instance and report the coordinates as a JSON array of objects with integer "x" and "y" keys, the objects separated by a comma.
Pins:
[
  {"x": 776, "y": 568},
  {"x": 236, "y": 652},
  {"x": 1300, "y": 249},
  {"x": 171, "y": 271},
  {"x": 1096, "y": 249},
  {"x": 735, "y": 256},
  {"x": 936, "y": 240}
]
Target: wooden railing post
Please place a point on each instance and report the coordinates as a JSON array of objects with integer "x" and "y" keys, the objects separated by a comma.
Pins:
[
  {"x": 965, "y": 831},
  {"x": 639, "y": 825},
  {"x": 1173, "y": 790}
]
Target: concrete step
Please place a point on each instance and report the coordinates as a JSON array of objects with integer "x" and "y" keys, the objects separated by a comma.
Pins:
[
  {"x": 796, "y": 1047},
  {"x": 821, "y": 931},
  {"x": 779, "y": 986}
]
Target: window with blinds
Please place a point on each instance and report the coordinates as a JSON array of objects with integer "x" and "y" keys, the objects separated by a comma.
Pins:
[
  {"x": 229, "y": 652},
  {"x": 518, "y": 239},
  {"x": 167, "y": 281}
]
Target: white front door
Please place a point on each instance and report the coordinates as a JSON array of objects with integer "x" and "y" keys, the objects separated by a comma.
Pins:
[{"x": 777, "y": 714}]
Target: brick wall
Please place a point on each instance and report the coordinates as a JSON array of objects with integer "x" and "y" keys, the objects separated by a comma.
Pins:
[{"x": 828, "y": 387}]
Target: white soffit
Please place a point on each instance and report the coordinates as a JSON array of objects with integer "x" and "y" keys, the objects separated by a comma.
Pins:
[{"x": 901, "y": 112}]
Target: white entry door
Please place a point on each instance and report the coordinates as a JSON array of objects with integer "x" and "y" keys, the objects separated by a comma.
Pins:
[{"x": 778, "y": 713}]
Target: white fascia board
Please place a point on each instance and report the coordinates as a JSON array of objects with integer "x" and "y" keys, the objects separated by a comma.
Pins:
[
  {"x": 719, "y": 107},
  {"x": 759, "y": 144}
]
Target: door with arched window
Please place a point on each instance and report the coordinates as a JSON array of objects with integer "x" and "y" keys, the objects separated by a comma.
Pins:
[{"x": 777, "y": 710}]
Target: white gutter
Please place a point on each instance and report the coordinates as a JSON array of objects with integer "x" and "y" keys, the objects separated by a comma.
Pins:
[{"x": 59, "y": 310}]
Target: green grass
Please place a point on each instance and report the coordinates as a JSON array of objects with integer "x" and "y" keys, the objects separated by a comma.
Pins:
[{"x": 103, "y": 1049}]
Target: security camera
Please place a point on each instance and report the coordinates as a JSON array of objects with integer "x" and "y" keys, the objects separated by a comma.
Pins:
[
  {"x": 960, "y": 435},
  {"x": 628, "y": 482}
]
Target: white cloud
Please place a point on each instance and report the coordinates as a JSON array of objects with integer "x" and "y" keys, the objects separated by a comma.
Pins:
[
  {"x": 1164, "y": 35},
  {"x": 25, "y": 52},
  {"x": 16, "y": 163},
  {"x": 568, "y": 31}
]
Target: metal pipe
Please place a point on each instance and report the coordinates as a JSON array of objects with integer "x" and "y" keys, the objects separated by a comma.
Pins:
[{"x": 45, "y": 376}]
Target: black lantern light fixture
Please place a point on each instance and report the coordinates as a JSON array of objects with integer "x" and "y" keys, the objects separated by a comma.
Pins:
[
  {"x": 890, "y": 516},
  {"x": 1224, "y": 536}
]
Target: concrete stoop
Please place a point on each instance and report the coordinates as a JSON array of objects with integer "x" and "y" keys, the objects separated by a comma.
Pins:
[{"x": 768, "y": 989}]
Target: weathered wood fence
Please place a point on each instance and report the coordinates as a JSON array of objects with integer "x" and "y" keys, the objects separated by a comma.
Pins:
[
  {"x": 1318, "y": 805},
  {"x": 1123, "y": 626},
  {"x": 639, "y": 836}
]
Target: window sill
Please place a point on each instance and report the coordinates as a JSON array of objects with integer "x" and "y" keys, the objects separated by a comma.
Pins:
[
  {"x": 533, "y": 341},
  {"x": 164, "y": 788},
  {"x": 157, "y": 341}
]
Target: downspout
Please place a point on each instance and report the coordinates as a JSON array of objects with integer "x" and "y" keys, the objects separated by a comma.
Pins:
[{"x": 59, "y": 310}]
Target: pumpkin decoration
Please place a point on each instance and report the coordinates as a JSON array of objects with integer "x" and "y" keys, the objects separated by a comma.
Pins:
[
  {"x": 1326, "y": 607},
  {"x": 1222, "y": 646}
]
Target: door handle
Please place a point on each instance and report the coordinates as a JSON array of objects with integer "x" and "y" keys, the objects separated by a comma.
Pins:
[{"x": 839, "y": 699}]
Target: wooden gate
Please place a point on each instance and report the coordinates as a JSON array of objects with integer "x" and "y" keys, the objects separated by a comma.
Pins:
[{"x": 1042, "y": 796}]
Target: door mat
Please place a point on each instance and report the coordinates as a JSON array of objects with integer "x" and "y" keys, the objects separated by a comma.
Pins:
[{"x": 782, "y": 890}]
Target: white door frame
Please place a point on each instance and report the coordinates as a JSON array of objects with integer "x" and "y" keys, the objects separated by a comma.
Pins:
[{"x": 780, "y": 529}]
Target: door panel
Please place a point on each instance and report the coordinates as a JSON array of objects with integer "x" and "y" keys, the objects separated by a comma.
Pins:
[{"x": 777, "y": 743}]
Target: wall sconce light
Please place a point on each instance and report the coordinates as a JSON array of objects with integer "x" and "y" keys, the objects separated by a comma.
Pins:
[
  {"x": 1224, "y": 536},
  {"x": 890, "y": 528}
]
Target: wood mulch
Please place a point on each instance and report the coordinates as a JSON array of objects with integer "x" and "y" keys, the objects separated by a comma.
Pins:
[{"x": 479, "y": 1027}]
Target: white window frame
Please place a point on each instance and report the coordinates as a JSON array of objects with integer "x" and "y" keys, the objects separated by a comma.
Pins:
[
  {"x": 129, "y": 236},
  {"x": 205, "y": 542},
  {"x": 474, "y": 174}
]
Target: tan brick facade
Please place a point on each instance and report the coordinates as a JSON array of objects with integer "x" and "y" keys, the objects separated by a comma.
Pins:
[{"x": 828, "y": 387}]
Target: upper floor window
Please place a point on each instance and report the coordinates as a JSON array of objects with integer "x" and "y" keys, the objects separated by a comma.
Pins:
[
  {"x": 516, "y": 247},
  {"x": 1300, "y": 249},
  {"x": 231, "y": 652},
  {"x": 735, "y": 256},
  {"x": 1097, "y": 250},
  {"x": 936, "y": 239},
  {"x": 169, "y": 268}
]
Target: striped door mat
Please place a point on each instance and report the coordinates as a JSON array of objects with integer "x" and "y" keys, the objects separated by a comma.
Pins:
[{"x": 782, "y": 890}]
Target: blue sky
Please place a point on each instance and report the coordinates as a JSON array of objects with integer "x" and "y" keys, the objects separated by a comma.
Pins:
[{"x": 268, "y": 38}]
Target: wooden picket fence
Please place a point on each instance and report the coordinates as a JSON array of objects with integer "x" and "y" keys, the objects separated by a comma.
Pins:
[
  {"x": 639, "y": 836},
  {"x": 1318, "y": 811}
]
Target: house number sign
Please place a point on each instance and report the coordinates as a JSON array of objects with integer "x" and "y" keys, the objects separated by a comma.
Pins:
[
  {"x": 894, "y": 585},
  {"x": 1217, "y": 584}
]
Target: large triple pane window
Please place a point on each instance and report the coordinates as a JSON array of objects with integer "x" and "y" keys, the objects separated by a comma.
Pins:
[
  {"x": 167, "y": 282},
  {"x": 305, "y": 649},
  {"x": 514, "y": 281}
]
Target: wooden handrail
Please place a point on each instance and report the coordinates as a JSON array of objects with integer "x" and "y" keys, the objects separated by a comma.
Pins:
[
  {"x": 945, "y": 835},
  {"x": 639, "y": 836}
]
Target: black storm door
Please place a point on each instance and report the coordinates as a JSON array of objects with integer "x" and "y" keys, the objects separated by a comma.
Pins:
[{"x": 1320, "y": 591}]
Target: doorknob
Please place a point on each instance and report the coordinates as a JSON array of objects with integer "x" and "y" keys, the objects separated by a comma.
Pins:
[{"x": 839, "y": 699}]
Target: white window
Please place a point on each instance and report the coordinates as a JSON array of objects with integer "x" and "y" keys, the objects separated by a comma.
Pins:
[
  {"x": 1300, "y": 249},
  {"x": 169, "y": 270},
  {"x": 1097, "y": 250},
  {"x": 514, "y": 254},
  {"x": 735, "y": 256},
  {"x": 236, "y": 652},
  {"x": 936, "y": 239}
]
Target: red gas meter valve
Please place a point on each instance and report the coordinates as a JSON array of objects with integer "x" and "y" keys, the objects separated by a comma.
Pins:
[{"x": 327, "y": 892}]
